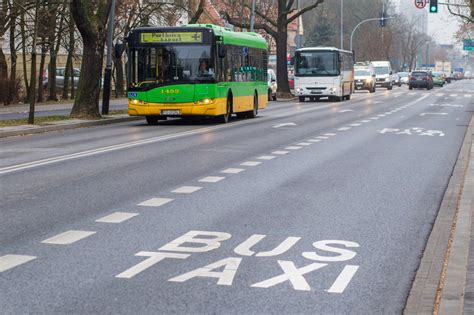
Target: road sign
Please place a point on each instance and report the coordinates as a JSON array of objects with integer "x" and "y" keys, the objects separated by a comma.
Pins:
[
  {"x": 468, "y": 44},
  {"x": 420, "y": 4}
]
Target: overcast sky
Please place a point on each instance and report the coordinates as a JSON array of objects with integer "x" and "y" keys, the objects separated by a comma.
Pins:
[{"x": 442, "y": 26}]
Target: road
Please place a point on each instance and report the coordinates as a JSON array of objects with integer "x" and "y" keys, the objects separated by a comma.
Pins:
[{"x": 310, "y": 208}]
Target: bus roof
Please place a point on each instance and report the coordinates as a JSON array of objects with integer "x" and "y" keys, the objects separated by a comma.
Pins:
[
  {"x": 323, "y": 49},
  {"x": 249, "y": 39}
]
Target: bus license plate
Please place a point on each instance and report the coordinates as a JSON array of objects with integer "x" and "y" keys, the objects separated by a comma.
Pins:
[
  {"x": 173, "y": 112},
  {"x": 316, "y": 92}
]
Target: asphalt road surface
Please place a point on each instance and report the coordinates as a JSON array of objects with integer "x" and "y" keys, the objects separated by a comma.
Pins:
[{"x": 309, "y": 208}]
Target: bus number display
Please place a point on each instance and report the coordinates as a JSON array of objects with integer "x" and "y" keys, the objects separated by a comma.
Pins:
[{"x": 171, "y": 37}]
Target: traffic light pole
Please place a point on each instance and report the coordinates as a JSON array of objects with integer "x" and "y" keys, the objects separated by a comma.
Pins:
[{"x": 364, "y": 21}]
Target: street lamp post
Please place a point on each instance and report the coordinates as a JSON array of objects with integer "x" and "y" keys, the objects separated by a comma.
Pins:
[
  {"x": 364, "y": 21},
  {"x": 252, "y": 16},
  {"x": 342, "y": 24}
]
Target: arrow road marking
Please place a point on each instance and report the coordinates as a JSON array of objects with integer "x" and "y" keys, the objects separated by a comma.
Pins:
[{"x": 424, "y": 114}]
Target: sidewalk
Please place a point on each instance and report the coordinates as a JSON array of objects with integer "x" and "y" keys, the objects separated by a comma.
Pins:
[
  {"x": 21, "y": 108},
  {"x": 444, "y": 282}
]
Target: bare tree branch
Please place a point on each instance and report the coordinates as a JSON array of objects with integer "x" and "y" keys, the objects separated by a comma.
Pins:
[{"x": 303, "y": 11}]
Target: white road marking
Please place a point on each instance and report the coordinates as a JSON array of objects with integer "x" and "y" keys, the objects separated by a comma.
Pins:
[
  {"x": 250, "y": 163},
  {"x": 314, "y": 140},
  {"x": 344, "y": 128},
  {"x": 365, "y": 121},
  {"x": 292, "y": 274},
  {"x": 453, "y": 95},
  {"x": 424, "y": 114},
  {"x": 155, "y": 202},
  {"x": 117, "y": 217},
  {"x": 374, "y": 118},
  {"x": 440, "y": 94},
  {"x": 154, "y": 258},
  {"x": 411, "y": 93},
  {"x": 266, "y": 157},
  {"x": 467, "y": 95},
  {"x": 377, "y": 102},
  {"x": 381, "y": 115},
  {"x": 226, "y": 276},
  {"x": 304, "y": 143},
  {"x": 354, "y": 125},
  {"x": 345, "y": 110},
  {"x": 321, "y": 137},
  {"x": 343, "y": 279},
  {"x": 211, "y": 179},
  {"x": 68, "y": 237},
  {"x": 284, "y": 125},
  {"x": 186, "y": 190},
  {"x": 330, "y": 134},
  {"x": 292, "y": 148},
  {"x": 233, "y": 170},
  {"x": 280, "y": 152},
  {"x": 11, "y": 261}
]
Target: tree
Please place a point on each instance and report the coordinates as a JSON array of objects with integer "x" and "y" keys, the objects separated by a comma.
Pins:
[
  {"x": 275, "y": 23},
  {"x": 463, "y": 9},
  {"x": 91, "y": 19}
]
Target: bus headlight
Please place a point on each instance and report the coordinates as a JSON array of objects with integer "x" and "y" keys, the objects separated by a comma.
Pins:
[
  {"x": 332, "y": 90},
  {"x": 137, "y": 102},
  {"x": 205, "y": 101},
  {"x": 299, "y": 90}
]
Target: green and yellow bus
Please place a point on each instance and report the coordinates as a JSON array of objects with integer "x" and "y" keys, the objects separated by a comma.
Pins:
[{"x": 195, "y": 70}]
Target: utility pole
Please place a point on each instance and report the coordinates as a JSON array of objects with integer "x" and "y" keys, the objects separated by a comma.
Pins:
[
  {"x": 342, "y": 24},
  {"x": 31, "y": 114},
  {"x": 108, "y": 66}
]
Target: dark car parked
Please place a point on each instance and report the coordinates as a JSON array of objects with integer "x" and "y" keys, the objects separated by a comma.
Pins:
[{"x": 420, "y": 79}]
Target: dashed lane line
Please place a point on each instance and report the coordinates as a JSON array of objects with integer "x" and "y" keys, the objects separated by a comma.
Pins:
[
  {"x": 233, "y": 170},
  {"x": 117, "y": 217},
  {"x": 211, "y": 179},
  {"x": 280, "y": 152},
  {"x": 330, "y": 134},
  {"x": 251, "y": 163},
  {"x": 186, "y": 189},
  {"x": 266, "y": 157},
  {"x": 155, "y": 202},
  {"x": 11, "y": 261},
  {"x": 344, "y": 128},
  {"x": 322, "y": 137},
  {"x": 68, "y": 237},
  {"x": 293, "y": 148},
  {"x": 314, "y": 140},
  {"x": 304, "y": 143},
  {"x": 354, "y": 125}
]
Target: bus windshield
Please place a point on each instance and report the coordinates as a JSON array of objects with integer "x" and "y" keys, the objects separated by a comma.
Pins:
[
  {"x": 317, "y": 63},
  {"x": 362, "y": 73},
  {"x": 169, "y": 64}
]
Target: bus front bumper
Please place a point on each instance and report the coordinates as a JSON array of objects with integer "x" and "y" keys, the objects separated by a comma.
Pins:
[
  {"x": 216, "y": 108},
  {"x": 317, "y": 91}
]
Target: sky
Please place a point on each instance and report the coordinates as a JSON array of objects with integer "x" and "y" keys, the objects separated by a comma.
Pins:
[{"x": 442, "y": 25}]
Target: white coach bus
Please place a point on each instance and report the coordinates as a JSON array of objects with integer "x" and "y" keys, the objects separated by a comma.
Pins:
[{"x": 323, "y": 72}]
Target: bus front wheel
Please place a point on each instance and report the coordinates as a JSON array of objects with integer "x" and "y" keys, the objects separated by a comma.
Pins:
[
  {"x": 223, "y": 119},
  {"x": 301, "y": 99}
]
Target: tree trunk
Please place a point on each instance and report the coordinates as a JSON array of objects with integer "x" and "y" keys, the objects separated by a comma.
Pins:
[
  {"x": 3, "y": 77},
  {"x": 52, "y": 62},
  {"x": 23, "y": 52},
  {"x": 69, "y": 63},
  {"x": 40, "y": 73},
  {"x": 282, "y": 69},
  {"x": 86, "y": 103},
  {"x": 12, "y": 86},
  {"x": 73, "y": 79}
]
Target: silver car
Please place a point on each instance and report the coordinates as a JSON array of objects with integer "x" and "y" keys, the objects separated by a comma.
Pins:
[{"x": 60, "y": 71}]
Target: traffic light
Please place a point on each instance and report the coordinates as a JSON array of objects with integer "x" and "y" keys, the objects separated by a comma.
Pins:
[
  {"x": 382, "y": 19},
  {"x": 433, "y": 6}
]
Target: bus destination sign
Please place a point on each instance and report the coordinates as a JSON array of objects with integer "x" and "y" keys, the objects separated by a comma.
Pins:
[{"x": 171, "y": 37}]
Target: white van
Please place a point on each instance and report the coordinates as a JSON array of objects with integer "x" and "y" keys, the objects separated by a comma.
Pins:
[{"x": 383, "y": 74}]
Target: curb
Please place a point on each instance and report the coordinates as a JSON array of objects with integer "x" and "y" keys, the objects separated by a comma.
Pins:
[
  {"x": 427, "y": 288},
  {"x": 65, "y": 126}
]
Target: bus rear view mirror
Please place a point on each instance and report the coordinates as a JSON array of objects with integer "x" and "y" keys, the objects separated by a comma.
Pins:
[{"x": 221, "y": 51}]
